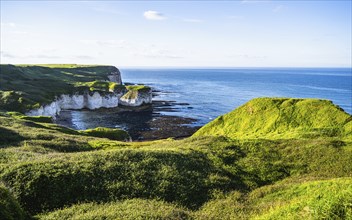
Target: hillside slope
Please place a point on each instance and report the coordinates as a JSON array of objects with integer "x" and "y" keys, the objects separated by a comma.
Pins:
[
  {"x": 52, "y": 172},
  {"x": 282, "y": 118}
]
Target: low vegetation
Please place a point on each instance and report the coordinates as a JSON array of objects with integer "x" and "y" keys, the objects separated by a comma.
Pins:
[
  {"x": 134, "y": 90},
  {"x": 289, "y": 199},
  {"x": 127, "y": 209},
  {"x": 9, "y": 208},
  {"x": 140, "y": 88},
  {"x": 111, "y": 133},
  {"x": 194, "y": 178},
  {"x": 269, "y": 159}
]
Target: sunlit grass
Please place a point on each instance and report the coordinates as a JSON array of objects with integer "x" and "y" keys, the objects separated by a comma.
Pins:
[{"x": 46, "y": 167}]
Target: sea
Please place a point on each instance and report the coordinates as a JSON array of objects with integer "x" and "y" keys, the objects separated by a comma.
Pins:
[{"x": 206, "y": 93}]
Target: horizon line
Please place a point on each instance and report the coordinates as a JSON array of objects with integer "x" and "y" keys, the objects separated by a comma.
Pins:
[{"x": 184, "y": 67}]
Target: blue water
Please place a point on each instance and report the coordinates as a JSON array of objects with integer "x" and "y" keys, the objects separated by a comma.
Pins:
[{"x": 212, "y": 92}]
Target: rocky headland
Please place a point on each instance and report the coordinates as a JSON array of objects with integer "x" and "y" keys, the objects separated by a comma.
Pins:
[
  {"x": 95, "y": 95},
  {"x": 99, "y": 94}
]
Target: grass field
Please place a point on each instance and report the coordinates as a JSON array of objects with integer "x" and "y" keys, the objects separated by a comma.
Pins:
[
  {"x": 272, "y": 158},
  {"x": 45, "y": 167}
]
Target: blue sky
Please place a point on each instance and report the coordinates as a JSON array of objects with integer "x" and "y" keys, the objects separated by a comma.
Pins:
[{"x": 245, "y": 33}]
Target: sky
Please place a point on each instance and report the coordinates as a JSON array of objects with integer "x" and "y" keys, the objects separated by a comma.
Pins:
[{"x": 243, "y": 33}]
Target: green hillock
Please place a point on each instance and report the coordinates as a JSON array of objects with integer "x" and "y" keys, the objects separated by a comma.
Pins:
[
  {"x": 24, "y": 87},
  {"x": 281, "y": 118},
  {"x": 111, "y": 133}
]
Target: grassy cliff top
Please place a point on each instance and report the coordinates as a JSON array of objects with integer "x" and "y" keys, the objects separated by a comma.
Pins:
[
  {"x": 281, "y": 118},
  {"x": 133, "y": 90},
  {"x": 23, "y": 87},
  {"x": 62, "y": 65},
  {"x": 138, "y": 88}
]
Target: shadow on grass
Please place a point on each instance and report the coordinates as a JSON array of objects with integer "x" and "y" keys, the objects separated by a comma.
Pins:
[{"x": 9, "y": 137}]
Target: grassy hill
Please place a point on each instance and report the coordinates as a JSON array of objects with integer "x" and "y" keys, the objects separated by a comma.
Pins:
[
  {"x": 24, "y": 87},
  {"x": 285, "y": 118},
  {"x": 57, "y": 173},
  {"x": 272, "y": 158}
]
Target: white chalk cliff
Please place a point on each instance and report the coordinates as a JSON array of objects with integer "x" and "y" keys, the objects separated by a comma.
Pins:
[
  {"x": 94, "y": 100},
  {"x": 78, "y": 101}
]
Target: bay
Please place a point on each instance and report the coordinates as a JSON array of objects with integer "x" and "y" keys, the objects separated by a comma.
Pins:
[{"x": 206, "y": 93}]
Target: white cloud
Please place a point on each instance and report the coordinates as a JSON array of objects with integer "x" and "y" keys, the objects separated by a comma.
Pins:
[
  {"x": 153, "y": 15},
  {"x": 193, "y": 20},
  {"x": 278, "y": 8}
]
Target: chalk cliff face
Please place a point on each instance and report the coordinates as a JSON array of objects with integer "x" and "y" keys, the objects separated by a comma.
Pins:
[
  {"x": 136, "y": 98},
  {"x": 87, "y": 100},
  {"x": 93, "y": 100}
]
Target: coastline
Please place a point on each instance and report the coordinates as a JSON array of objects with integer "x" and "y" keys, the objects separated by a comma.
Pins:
[{"x": 143, "y": 123}]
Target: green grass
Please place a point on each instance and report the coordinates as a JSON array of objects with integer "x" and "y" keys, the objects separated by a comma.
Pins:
[
  {"x": 133, "y": 209},
  {"x": 138, "y": 88},
  {"x": 10, "y": 209},
  {"x": 104, "y": 86},
  {"x": 324, "y": 199},
  {"x": 189, "y": 172},
  {"x": 110, "y": 133},
  {"x": 134, "y": 90},
  {"x": 61, "y": 65},
  {"x": 55, "y": 172},
  {"x": 289, "y": 199},
  {"x": 42, "y": 119},
  {"x": 277, "y": 118}
]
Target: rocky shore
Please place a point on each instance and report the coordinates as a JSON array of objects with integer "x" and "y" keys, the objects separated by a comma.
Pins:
[{"x": 147, "y": 122}]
